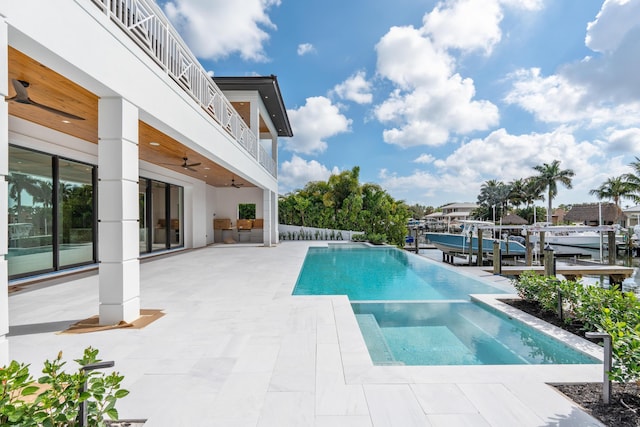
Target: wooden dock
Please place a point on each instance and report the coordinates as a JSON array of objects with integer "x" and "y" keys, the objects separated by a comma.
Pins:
[{"x": 616, "y": 273}]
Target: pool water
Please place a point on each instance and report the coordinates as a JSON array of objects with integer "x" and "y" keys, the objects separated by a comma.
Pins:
[
  {"x": 412, "y": 311},
  {"x": 364, "y": 273},
  {"x": 454, "y": 333}
]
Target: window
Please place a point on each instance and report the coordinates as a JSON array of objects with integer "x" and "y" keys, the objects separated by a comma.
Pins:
[
  {"x": 51, "y": 221},
  {"x": 161, "y": 215},
  {"x": 247, "y": 211}
]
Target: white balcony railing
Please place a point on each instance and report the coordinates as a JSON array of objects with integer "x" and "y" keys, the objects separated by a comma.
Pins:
[{"x": 145, "y": 23}]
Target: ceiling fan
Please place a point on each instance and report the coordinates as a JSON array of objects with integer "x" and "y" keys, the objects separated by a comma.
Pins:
[
  {"x": 189, "y": 166},
  {"x": 22, "y": 97},
  {"x": 233, "y": 183}
]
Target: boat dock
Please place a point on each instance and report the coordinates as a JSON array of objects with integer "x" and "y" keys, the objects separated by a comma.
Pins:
[{"x": 616, "y": 273}]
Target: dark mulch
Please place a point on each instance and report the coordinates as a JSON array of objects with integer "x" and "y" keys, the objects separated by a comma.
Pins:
[{"x": 624, "y": 409}]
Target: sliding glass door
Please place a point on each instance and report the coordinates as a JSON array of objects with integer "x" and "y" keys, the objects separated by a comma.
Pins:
[
  {"x": 76, "y": 213},
  {"x": 51, "y": 221},
  {"x": 161, "y": 216}
]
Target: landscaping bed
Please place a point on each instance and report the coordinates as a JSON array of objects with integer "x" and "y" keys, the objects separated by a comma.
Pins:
[{"x": 624, "y": 409}]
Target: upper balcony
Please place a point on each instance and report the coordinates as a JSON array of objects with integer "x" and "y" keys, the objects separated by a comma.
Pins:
[{"x": 147, "y": 26}]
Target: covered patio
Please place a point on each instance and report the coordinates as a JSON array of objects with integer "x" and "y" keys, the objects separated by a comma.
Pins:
[{"x": 235, "y": 348}]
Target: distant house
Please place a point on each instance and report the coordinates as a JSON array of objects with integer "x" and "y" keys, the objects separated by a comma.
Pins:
[
  {"x": 633, "y": 216},
  {"x": 557, "y": 217},
  {"x": 435, "y": 221},
  {"x": 589, "y": 214},
  {"x": 453, "y": 213}
]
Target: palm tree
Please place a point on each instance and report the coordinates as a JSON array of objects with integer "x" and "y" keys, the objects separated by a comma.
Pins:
[
  {"x": 494, "y": 193},
  {"x": 518, "y": 191},
  {"x": 614, "y": 189},
  {"x": 633, "y": 180},
  {"x": 549, "y": 175},
  {"x": 532, "y": 191},
  {"x": 19, "y": 182}
]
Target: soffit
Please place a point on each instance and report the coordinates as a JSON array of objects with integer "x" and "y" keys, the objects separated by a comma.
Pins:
[
  {"x": 269, "y": 90},
  {"x": 54, "y": 90}
]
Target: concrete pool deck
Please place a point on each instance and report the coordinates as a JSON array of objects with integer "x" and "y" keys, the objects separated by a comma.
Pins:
[{"x": 235, "y": 348}]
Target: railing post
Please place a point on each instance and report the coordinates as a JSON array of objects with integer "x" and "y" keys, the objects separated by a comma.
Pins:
[
  {"x": 606, "y": 382},
  {"x": 479, "y": 254},
  {"x": 560, "y": 309},
  {"x": 497, "y": 258},
  {"x": 549, "y": 262},
  {"x": 82, "y": 413}
]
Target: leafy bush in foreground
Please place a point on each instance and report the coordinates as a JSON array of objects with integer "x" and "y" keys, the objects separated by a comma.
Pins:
[
  {"x": 55, "y": 399},
  {"x": 605, "y": 310}
]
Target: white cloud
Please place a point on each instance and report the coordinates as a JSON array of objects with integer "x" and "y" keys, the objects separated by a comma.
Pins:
[
  {"x": 305, "y": 48},
  {"x": 429, "y": 188},
  {"x": 410, "y": 60},
  {"x": 314, "y": 122},
  {"x": 599, "y": 90},
  {"x": 356, "y": 88},
  {"x": 418, "y": 186},
  {"x": 467, "y": 25},
  {"x": 612, "y": 74},
  {"x": 239, "y": 26},
  {"x": 431, "y": 100},
  {"x": 297, "y": 172},
  {"x": 623, "y": 141},
  {"x": 504, "y": 157},
  {"x": 614, "y": 21},
  {"x": 424, "y": 158},
  {"x": 558, "y": 99},
  {"x": 524, "y": 4}
]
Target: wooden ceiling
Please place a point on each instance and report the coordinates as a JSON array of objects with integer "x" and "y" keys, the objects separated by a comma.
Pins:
[{"x": 53, "y": 90}]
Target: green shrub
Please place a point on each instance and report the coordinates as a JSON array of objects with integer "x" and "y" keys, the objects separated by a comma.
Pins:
[
  {"x": 56, "y": 402},
  {"x": 358, "y": 238},
  {"x": 377, "y": 238},
  {"x": 625, "y": 342},
  {"x": 536, "y": 288},
  {"x": 606, "y": 310}
]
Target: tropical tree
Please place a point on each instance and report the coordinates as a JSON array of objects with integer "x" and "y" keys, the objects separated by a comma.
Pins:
[
  {"x": 518, "y": 192},
  {"x": 614, "y": 189},
  {"x": 633, "y": 180},
  {"x": 341, "y": 186},
  {"x": 301, "y": 204},
  {"x": 549, "y": 174},
  {"x": 342, "y": 203},
  {"x": 533, "y": 191},
  {"x": 19, "y": 183},
  {"x": 418, "y": 211},
  {"x": 494, "y": 193}
]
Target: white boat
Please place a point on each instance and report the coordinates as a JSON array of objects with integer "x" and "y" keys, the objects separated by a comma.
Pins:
[
  {"x": 468, "y": 239},
  {"x": 578, "y": 236}
]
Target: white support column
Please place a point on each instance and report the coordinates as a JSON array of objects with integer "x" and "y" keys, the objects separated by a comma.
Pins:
[
  {"x": 4, "y": 205},
  {"x": 118, "y": 211},
  {"x": 274, "y": 153},
  {"x": 275, "y": 238},
  {"x": 266, "y": 214}
]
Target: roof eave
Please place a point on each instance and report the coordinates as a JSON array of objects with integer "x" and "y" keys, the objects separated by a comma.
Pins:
[{"x": 269, "y": 90}]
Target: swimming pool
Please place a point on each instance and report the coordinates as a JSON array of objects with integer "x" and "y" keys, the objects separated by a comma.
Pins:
[
  {"x": 363, "y": 273},
  {"x": 412, "y": 311}
]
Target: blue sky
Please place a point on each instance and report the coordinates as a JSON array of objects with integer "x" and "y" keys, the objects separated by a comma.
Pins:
[{"x": 431, "y": 99}]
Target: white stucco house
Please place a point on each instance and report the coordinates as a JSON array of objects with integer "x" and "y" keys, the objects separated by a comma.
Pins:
[
  {"x": 632, "y": 216},
  {"x": 116, "y": 144},
  {"x": 449, "y": 216}
]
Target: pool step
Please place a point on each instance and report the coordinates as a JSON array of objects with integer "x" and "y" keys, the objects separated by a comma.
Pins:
[
  {"x": 507, "y": 351},
  {"x": 374, "y": 338}
]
